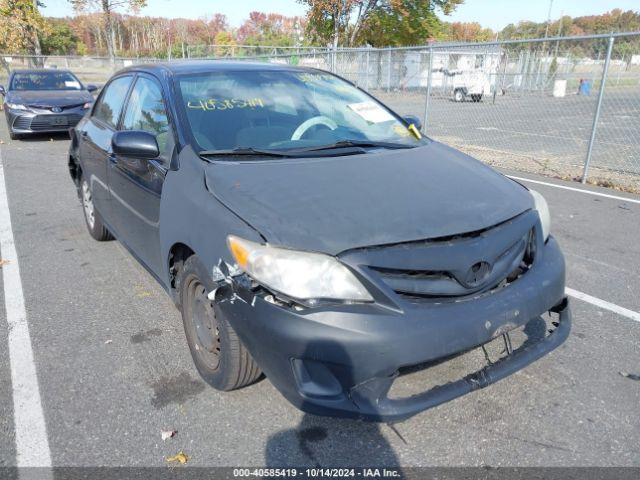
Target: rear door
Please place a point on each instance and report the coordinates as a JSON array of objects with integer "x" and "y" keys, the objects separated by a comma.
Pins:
[
  {"x": 136, "y": 183},
  {"x": 94, "y": 139}
]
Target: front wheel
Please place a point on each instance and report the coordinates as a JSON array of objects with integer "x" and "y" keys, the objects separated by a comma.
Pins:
[
  {"x": 458, "y": 95},
  {"x": 92, "y": 218},
  {"x": 219, "y": 355}
]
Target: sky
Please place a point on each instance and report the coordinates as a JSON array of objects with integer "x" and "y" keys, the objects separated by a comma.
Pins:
[{"x": 494, "y": 14}]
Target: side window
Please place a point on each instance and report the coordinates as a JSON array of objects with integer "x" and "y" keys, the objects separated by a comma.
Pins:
[
  {"x": 111, "y": 102},
  {"x": 146, "y": 111}
]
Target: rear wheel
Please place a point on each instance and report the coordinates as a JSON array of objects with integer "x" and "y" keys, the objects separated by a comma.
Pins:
[
  {"x": 477, "y": 97},
  {"x": 92, "y": 218},
  {"x": 219, "y": 355}
]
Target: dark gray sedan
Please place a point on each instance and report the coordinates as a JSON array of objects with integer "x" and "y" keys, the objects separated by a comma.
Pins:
[
  {"x": 38, "y": 101},
  {"x": 307, "y": 231}
]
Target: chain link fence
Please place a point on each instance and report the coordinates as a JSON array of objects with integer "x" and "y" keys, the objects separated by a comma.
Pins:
[
  {"x": 566, "y": 107},
  {"x": 88, "y": 69}
]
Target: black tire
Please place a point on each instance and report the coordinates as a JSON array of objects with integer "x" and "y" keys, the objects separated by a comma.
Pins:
[
  {"x": 219, "y": 355},
  {"x": 458, "y": 95},
  {"x": 92, "y": 218},
  {"x": 476, "y": 98}
]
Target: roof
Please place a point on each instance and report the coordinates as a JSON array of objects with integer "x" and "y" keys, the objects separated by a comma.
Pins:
[
  {"x": 201, "y": 66},
  {"x": 40, "y": 70}
]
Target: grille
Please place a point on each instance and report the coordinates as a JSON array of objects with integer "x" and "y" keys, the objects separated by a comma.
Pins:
[
  {"x": 469, "y": 280},
  {"x": 62, "y": 107},
  {"x": 46, "y": 122},
  {"x": 22, "y": 123}
]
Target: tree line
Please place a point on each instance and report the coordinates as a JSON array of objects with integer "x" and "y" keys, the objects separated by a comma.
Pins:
[{"x": 114, "y": 28}]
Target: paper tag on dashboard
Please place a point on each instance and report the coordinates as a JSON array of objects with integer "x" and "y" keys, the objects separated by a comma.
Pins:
[
  {"x": 71, "y": 84},
  {"x": 371, "y": 112}
]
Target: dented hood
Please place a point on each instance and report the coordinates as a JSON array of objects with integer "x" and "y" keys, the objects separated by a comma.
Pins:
[{"x": 333, "y": 204}]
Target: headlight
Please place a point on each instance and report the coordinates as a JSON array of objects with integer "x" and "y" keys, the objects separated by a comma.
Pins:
[
  {"x": 15, "y": 106},
  {"x": 298, "y": 275},
  {"x": 543, "y": 211}
]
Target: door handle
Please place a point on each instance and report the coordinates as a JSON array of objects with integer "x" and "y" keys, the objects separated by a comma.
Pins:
[
  {"x": 84, "y": 134},
  {"x": 113, "y": 158}
]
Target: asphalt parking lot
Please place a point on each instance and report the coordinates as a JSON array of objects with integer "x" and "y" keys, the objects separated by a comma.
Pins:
[
  {"x": 113, "y": 367},
  {"x": 535, "y": 130}
]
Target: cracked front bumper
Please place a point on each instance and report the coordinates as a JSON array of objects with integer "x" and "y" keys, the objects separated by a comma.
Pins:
[{"x": 342, "y": 360}]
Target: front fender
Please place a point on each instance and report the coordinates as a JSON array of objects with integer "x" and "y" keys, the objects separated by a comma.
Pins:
[{"x": 191, "y": 215}]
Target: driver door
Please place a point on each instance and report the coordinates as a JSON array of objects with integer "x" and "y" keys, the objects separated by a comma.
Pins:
[{"x": 136, "y": 183}]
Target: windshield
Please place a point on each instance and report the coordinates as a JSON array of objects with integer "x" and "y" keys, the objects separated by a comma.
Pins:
[
  {"x": 45, "y": 81},
  {"x": 284, "y": 110}
]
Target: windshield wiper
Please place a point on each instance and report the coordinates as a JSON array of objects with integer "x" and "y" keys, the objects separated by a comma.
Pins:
[
  {"x": 356, "y": 143},
  {"x": 244, "y": 151},
  {"x": 353, "y": 147}
]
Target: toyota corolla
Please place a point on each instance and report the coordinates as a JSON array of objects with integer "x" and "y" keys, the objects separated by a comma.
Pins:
[
  {"x": 38, "y": 101},
  {"x": 308, "y": 232}
]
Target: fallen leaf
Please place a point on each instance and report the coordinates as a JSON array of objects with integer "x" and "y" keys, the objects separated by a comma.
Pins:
[
  {"x": 1, "y": 142},
  {"x": 180, "y": 457},
  {"x": 631, "y": 376},
  {"x": 167, "y": 434},
  {"x": 107, "y": 342},
  {"x": 4, "y": 262}
]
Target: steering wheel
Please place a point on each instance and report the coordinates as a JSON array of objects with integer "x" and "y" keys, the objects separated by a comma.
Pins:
[{"x": 312, "y": 122}]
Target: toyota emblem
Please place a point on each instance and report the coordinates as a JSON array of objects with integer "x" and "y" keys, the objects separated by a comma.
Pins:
[
  {"x": 477, "y": 274},
  {"x": 56, "y": 109}
]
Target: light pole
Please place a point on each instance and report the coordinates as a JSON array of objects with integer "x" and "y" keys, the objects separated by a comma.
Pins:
[{"x": 546, "y": 32}]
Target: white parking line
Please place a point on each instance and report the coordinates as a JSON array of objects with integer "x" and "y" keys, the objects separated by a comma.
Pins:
[
  {"x": 612, "y": 307},
  {"x": 32, "y": 444},
  {"x": 574, "y": 189}
]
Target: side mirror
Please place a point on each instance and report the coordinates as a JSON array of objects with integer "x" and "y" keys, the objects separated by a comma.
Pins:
[
  {"x": 91, "y": 88},
  {"x": 3, "y": 92},
  {"x": 412, "y": 119},
  {"x": 135, "y": 143}
]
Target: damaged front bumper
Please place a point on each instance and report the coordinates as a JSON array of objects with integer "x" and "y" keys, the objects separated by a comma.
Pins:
[{"x": 342, "y": 360}]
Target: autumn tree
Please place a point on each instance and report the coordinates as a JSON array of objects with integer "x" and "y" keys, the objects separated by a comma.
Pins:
[
  {"x": 467, "y": 32},
  {"x": 613, "y": 21},
  {"x": 270, "y": 29},
  {"x": 20, "y": 27},
  {"x": 225, "y": 44},
  {"x": 107, "y": 9}
]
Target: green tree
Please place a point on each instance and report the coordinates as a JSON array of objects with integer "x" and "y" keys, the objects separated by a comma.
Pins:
[
  {"x": 60, "y": 40},
  {"x": 405, "y": 22},
  {"x": 376, "y": 22}
]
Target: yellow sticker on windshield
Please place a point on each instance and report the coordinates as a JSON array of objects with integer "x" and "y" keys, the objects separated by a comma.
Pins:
[
  {"x": 401, "y": 130},
  {"x": 211, "y": 104}
]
